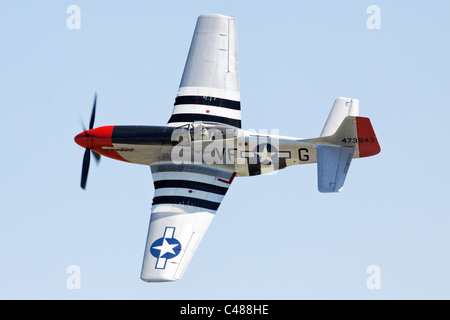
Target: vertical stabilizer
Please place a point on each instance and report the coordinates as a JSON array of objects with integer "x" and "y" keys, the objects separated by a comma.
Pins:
[{"x": 342, "y": 108}]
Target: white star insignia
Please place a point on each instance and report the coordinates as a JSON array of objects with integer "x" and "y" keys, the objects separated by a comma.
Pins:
[
  {"x": 264, "y": 156},
  {"x": 166, "y": 247}
]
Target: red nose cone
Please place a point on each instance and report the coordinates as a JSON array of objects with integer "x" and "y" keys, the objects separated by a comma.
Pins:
[{"x": 84, "y": 139}]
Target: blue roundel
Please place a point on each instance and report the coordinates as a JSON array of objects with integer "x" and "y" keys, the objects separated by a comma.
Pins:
[
  {"x": 265, "y": 153},
  {"x": 166, "y": 248},
  {"x": 268, "y": 146}
]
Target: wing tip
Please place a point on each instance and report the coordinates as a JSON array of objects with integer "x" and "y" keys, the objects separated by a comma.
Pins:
[
  {"x": 215, "y": 15},
  {"x": 157, "y": 280}
]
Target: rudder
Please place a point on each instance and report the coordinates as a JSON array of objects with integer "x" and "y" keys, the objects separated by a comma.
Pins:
[{"x": 356, "y": 132}]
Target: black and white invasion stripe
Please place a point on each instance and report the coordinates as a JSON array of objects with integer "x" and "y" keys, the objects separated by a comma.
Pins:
[
  {"x": 191, "y": 185},
  {"x": 191, "y": 108}
]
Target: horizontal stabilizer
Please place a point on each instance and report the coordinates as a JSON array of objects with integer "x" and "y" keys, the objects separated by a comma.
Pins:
[{"x": 333, "y": 163}]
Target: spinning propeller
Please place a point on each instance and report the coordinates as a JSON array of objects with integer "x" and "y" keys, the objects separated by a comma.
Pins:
[{"x": 85, "y": 139}]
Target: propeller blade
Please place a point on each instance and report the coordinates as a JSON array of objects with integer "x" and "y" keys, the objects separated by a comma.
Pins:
[
  {"x": 85, "y": 170},
  {"x": 91, "y": 123},
  {"x": 87, "y": 152},
  {"x": 97, "y": 156}
]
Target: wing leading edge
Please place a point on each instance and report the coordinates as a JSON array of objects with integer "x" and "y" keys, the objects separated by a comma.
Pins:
[{"x": 186, "y": 198}]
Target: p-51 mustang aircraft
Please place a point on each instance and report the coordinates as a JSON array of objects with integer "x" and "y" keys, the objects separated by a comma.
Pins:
[{"x": 196, "y": 156}]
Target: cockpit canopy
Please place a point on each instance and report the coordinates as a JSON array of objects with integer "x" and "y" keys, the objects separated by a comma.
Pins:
[{"x": 205, "y": 131}]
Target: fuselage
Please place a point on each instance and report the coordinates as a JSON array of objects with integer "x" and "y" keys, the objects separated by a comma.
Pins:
[{"x": 244, "y": 152}]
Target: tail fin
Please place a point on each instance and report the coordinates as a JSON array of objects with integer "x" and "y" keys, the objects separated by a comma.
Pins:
[
  {"x": 342, "y": 108},
  {"x": 345, "y": 136}
]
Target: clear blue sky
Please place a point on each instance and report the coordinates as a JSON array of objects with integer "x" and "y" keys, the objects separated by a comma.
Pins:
[{"x": 274, "y": 236}]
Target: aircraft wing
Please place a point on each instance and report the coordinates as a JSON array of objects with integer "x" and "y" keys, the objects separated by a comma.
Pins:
[
  {"x": 186, "y": 198},
  {"x": 209, "y": 88}
]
